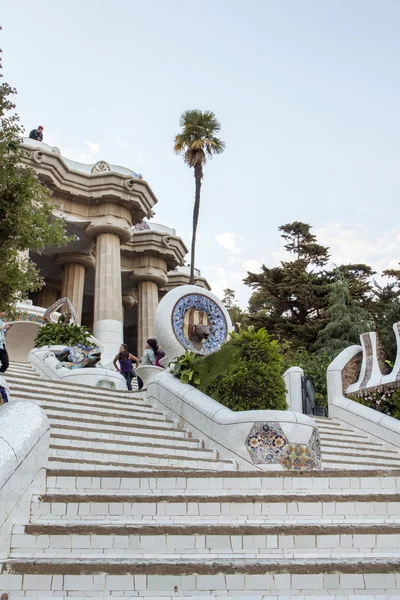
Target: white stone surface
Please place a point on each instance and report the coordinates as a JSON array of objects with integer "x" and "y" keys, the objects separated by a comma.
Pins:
[
  {"x": 47, "y": 366},
  {"x": 223, "y": 428},
  {"x": 110, "y": 334},
  {"x": 292, "y": 378},
  {"x": 24, "y": 444},
  {"x": 163, "y": 322}
]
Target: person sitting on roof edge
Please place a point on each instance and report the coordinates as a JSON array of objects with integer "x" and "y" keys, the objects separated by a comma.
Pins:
[{"x": 37, "y": 134}]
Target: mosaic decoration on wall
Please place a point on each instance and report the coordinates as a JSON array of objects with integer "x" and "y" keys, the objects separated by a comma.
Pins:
[
  {"x": 199, "y": 324},
  {"x": 142, "y": 226},
  {"x": 25, "y": 318},
  {"x": 268, "y": 444}
]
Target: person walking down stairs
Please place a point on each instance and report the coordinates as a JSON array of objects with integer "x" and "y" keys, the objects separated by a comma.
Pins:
[
  {"x": 126, "y": 361},
  {"x": 3, "y": 352}
]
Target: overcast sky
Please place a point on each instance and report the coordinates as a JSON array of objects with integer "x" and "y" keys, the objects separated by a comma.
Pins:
[{"x": 307, "y": 92}]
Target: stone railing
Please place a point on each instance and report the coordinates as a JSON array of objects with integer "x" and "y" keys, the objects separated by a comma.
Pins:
[
  {"x": 45, "y": 363},
  {"x": 24, "y": 448},
  {"x": 256, "y": 439},
  {"x": 357, "y": 371}
]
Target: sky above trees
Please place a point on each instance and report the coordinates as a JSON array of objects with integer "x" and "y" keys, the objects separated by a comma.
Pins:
[{"x": 306, "y": 93}]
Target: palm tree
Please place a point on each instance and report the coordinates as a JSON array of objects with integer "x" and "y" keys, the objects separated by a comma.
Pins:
[{"x": 197, "y": 142}]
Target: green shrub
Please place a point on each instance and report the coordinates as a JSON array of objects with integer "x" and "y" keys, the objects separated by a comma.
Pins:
[
  {"x": 185, "y": 368},
  {"x": 57, "y": 334},
  {"x": 246, "y": 374}
]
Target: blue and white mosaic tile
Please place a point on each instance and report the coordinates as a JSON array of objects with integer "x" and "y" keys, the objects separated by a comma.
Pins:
[{"x": 199, "y": 324}]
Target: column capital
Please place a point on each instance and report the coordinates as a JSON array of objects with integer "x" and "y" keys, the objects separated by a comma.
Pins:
[
  {"x": 109, "y": 224},
  {"x": 76, "y": 258},
  {"x": 130, "y": 300},
  {"x": 149, "y": 268}
]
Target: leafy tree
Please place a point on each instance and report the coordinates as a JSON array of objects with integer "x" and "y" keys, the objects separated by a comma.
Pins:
[
  {"x": 291, "y": 300},
  {"x": 346, "y": 322},
  {"x": 197, "y": 142},
  {"x": 229, "y": 299},
  {"x": 238, "y": 316},
  {"x": 26, "y": 219}
]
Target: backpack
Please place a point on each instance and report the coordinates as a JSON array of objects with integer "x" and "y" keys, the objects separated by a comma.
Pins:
[{"x": 160, "y": 355}]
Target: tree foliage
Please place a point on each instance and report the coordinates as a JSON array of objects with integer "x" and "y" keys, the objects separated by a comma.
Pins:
[
  {"x": 291, "y": 300},
  {"x": 246, "y": 373},
  {"x": 238, "y": 316},
  {"x": 346, "y": 320},
  {"x": 26, "y": 219},
  {"x": 197, "y": 143}
]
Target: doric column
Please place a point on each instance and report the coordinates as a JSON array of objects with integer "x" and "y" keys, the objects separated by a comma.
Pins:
[
  {"x": 151, "y": 273},
  {"x": 47, "y": 296},
  {"x": 75, "y": 265},
  {"x": 148, "y": 302},
  {"x": 108, "y": 316}
]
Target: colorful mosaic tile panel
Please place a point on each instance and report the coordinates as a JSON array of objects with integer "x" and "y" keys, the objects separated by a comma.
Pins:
[
  {"x": 197, "y": 310},
  {"x": 267, "y": 444}
]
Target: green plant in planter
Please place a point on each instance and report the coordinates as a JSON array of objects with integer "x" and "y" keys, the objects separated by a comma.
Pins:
[
  {"x": 185, "y": 368},
  {"x": 58, "y": 334}
]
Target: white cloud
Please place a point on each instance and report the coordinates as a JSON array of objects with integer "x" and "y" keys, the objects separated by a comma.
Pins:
[
  {"x": 94, "y": 148},
  {"x": 229, "y": 241},
  {"x": 358, "y": 244}
]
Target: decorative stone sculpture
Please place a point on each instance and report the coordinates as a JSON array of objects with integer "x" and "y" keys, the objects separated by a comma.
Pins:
[
  {"x": 100, "y": 167},
  {"x": 68, "y": 317},
  {"x": 78, "y": 357},
  {"x": 192, "y": 319}
]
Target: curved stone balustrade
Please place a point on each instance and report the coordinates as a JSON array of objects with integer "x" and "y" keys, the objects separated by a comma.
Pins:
[
  {"x": 45, "y": 363},
  {"x": 24, "y": 447},
  {"x": 257, "y": 439}
]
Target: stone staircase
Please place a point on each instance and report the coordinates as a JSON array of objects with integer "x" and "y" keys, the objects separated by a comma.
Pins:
[{"x": 136, "y": 507}]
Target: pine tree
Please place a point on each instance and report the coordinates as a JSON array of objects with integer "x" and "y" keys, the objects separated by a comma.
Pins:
[{"x": 346, "y": 321}]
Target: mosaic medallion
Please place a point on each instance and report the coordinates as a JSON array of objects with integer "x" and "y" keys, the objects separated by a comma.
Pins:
[
  {"x": 199, "y": 324},
  {"x": 268, "y": 444}
]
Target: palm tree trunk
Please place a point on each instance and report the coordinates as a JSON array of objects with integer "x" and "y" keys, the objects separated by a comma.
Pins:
[{"x": 198, "y": 176}]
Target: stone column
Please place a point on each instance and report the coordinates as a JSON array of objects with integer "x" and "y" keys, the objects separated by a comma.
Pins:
[
  {"x": 151, "y": 274},
  {"x": 108, "y": 315},
  {"x": 75, "y": 265},
  {"x": 47, "y": 296},
  {"x": 148, "y": 302}
]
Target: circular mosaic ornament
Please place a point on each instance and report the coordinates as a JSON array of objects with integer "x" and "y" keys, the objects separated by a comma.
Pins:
[{"x": 199, "y": 324}]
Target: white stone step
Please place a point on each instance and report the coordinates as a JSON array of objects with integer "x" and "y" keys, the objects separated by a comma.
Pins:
[
  {"x": 131, "y": 438},
  {"x": 91, "y": 538},
  {"x": 368, "y": 481},
  {"x": 133, "y": 447},
  {"x": 162, "y": 576},
  {"x": 224, "y": 506},
  {"x": 61, "y": 387},
  {"x": 29, "y": 392},
  {"x": 124, "y": 458},
  {"x": 343, "y": 460},
  {"x": 95, "y": 408},
  {"x": 88, "y": 417}
]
